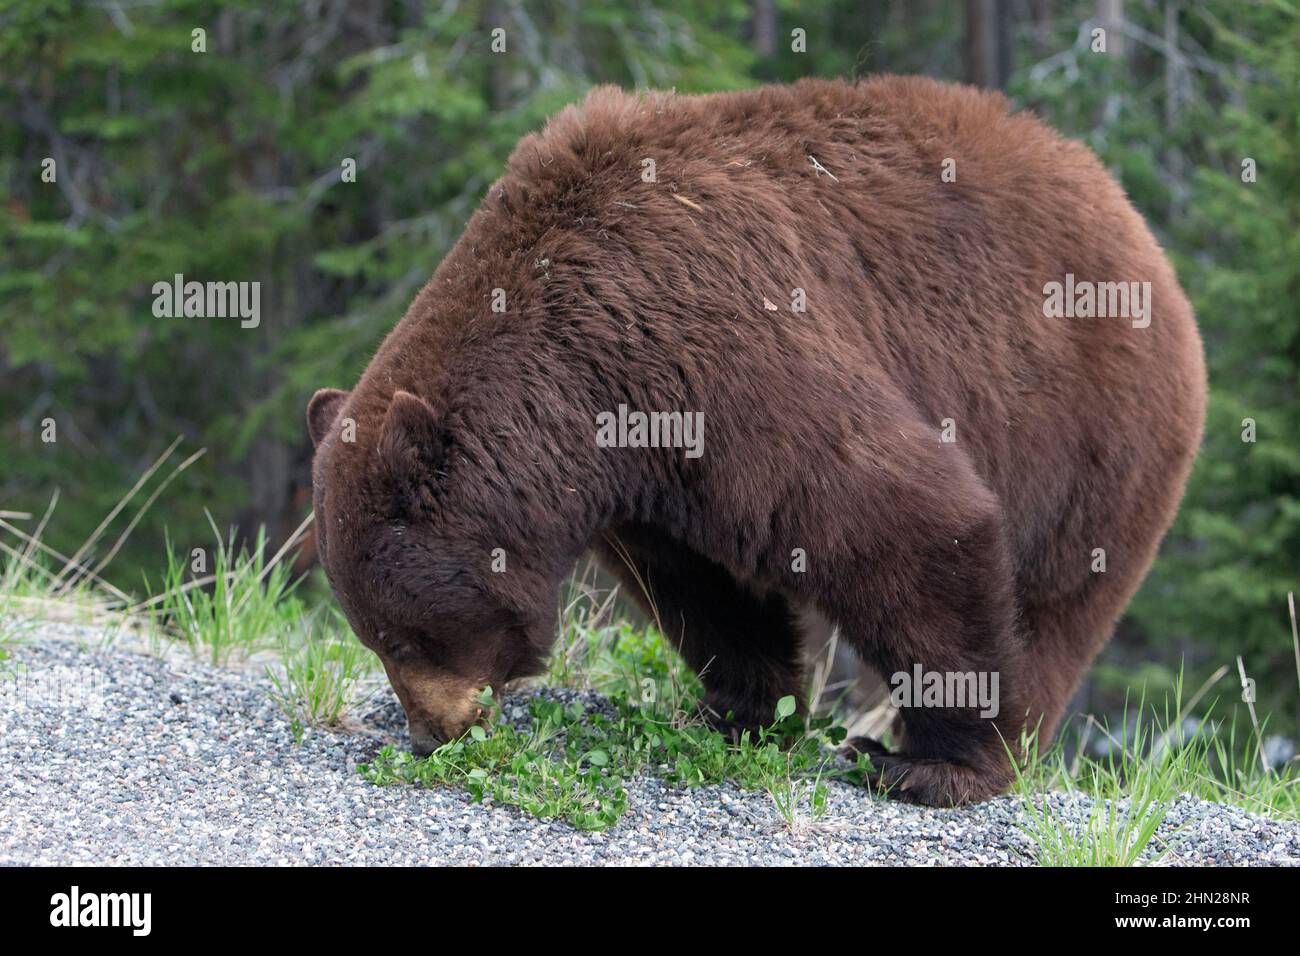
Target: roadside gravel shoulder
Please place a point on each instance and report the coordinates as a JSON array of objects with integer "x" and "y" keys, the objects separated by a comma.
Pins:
[{"x": 111, "y": 756}]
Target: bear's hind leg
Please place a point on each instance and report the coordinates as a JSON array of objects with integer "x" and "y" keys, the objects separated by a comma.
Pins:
[
  {"x": 743, "y": 645},
  {"x": 1067, "y": 629},
  {"x": 1076, "y": 583}
]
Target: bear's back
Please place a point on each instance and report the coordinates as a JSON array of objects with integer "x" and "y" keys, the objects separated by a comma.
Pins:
[
  {"x": 824, "y": 241},
  {"x": 916, "y": 222}
]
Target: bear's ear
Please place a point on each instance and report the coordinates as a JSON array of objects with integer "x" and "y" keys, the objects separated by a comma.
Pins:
[
  {"x": 321, "y": 412},
  {"x": 411, "y": 441}
]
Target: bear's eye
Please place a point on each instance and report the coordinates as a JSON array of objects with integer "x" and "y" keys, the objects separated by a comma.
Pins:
[{"x": 394, "y": 647}]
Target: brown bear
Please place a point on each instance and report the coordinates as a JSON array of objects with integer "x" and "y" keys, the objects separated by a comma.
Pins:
[{"x": 910, "y": 362}]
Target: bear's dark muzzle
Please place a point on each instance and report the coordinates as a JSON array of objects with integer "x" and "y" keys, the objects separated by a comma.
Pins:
[{"x": 424, "y": 744}]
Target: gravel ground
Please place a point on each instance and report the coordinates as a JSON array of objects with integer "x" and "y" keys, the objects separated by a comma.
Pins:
[{"x": 109, "y": 756}]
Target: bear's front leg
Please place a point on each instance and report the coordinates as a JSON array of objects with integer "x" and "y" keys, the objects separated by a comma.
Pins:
[{"x": 935, "y": 614}]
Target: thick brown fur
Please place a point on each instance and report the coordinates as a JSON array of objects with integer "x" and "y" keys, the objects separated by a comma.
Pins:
[{"x": 476, "y": 430}]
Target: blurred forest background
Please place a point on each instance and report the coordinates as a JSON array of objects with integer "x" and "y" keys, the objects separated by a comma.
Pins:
[{"x": 225, "y": 165}]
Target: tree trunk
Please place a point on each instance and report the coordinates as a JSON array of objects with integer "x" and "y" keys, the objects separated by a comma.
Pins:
[
  {"x": 988, "y": 43},
  {"x": 1110, "y": 15},
  {"x": 764, "y": 27}
]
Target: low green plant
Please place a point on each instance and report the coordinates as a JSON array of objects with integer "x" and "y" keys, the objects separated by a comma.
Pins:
[
  {"x": 794, "y": 792},
  {"x": 573, "y": 764}
]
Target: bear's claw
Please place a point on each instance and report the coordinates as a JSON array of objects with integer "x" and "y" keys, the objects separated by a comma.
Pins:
[{"x": 925, "y": 780}]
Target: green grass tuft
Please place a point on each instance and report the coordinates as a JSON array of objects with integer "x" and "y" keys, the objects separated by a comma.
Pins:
[
  {"x": 318, "y": 680},
  {"x": 1150, "y": 764},
  {"x": 244, "y": 604}
]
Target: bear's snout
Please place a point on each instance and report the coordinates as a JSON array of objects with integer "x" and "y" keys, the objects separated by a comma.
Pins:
[
  {"x": 439, "y": 707},
  {"x": 423, "y": 744},
  {"x": 427, "y": 734}
]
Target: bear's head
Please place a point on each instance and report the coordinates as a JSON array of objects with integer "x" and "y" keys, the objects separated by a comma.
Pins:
[{"x": 410, "y": 561}]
